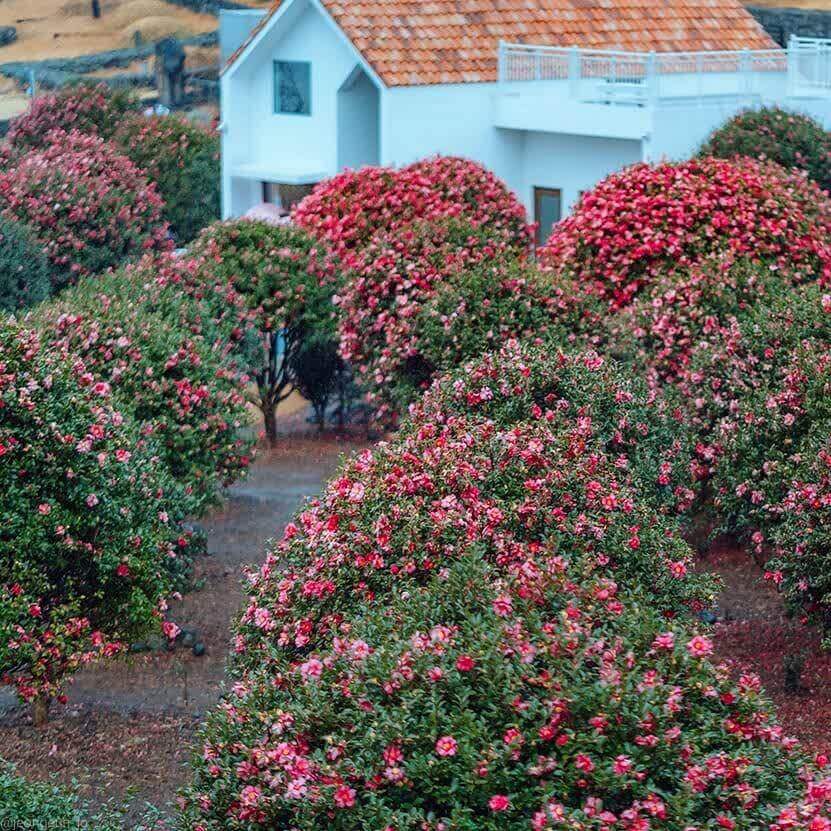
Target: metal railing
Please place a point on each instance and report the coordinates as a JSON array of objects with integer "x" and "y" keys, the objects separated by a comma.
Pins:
[
  {"x": 809, "y": 66},
  {"x": 638, "y": 77}
]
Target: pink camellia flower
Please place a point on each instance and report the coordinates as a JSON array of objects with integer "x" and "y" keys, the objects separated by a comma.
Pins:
[
  {"x": 101, "y": 388},
  {"x": 92, "y": 500},
  {"x": 499, "y": 802},
  {"x": 250, "y": 796},
  {"x": 622, "y": 765},
  {"x": 699, "y": 646},
  {"x": 503, "y": 606},
  {"x": 170, "y": 629},
  {"x": 583, "y": 763},
  {"x": 464, "y": 663},
  {"x": 666, "y": 640},
  {"x": 344, "y": 797},
  {"x": 446, "y": 746}
]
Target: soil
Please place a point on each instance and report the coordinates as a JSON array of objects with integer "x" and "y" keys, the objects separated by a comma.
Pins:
[
  {"x": 755, "y": 634},
  {"x": 66, "y": 28},
  {"x": 128, "y": 729}
]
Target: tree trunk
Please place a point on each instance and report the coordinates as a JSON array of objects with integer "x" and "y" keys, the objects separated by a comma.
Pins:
[
  {"x": 40, "y": 711},
  {"x": 270, "y": 420},
  {"x": 96, "y": 9}
]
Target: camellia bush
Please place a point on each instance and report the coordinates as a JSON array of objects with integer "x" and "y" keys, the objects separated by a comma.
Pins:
[
  {"x": 756, "y": 395},
  {"x": 579, "y": 391},
  {"x": 182, "y": 160},
  {"x": 85, "y": 534},
  {"x": 681, "y": 312},
  {"x": 90, "y": 207},
  {"x": 25, "y": 270},
  {"x": 168, "y": 360},
  {"x": 474, "y": 628},
  {"x": 347, "y": 210},
  {"x": 400, "y": 303},
  {"x": 94, "y": 109},
  {"x": 25, "y": 804},
  {"x": 789, "y": 139},
  {"x": 280, "y": 274},
  {"x": 626, "y": 232}
]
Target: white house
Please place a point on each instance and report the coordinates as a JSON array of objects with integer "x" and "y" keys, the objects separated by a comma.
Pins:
[{"x": 552, "y": 95}]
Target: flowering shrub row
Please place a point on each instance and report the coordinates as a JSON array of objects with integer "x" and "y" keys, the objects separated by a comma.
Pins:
[
  {"x": 789, "y": 139},
  {"x": 636, "y": 224},
  {"x": 89, "y": 207},
  {"x": 85, "y": 534},
  {"x": 347, "y": 210}
]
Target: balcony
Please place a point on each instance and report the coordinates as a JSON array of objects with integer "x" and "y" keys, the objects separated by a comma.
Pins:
[{"x": 615, "y": 94}]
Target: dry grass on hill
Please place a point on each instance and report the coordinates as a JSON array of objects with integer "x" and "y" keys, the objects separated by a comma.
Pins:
[{"x": 65, "y": 28}]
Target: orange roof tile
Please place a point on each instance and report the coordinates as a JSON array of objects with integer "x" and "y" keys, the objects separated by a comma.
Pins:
[{"x": 415, "y": 42}]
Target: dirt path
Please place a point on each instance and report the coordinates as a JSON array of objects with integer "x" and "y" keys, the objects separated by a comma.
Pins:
[{"x": 128, "y": 729}]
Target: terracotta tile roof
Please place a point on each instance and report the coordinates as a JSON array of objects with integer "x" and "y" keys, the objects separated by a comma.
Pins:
[{"x": 413, "y": 42}]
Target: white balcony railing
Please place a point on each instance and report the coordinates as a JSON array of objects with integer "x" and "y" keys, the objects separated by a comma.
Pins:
[{"x": 638, "y": 78}]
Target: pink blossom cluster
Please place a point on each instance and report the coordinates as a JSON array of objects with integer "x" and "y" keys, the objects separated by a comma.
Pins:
[
  {"x": 347, "y": 210},
  {"x": 635, "y": 225},
  {"x": 89, "y": 206}
]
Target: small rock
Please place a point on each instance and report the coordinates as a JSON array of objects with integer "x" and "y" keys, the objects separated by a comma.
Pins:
[
  {"x": 708, "y": 617},
  {"x": 189, "y": 638},
  {"x": 198, "y": 649},
  {"x": 139, "y": 646},
  {"x": 8, "y": 34}
]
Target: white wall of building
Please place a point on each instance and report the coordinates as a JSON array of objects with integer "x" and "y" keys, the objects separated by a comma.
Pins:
[
  {"x": 571, "y": 164},
  {"x": 358, "y": 123},
  {"x": 277, "y": 146}
]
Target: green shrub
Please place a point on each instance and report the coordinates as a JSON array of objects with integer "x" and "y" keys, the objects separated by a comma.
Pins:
[
  {"x": 89, "y": 108},
  {"x": 790, "y": 139},
  {"x": 277, "y": 272},
  {"x": 159, "y": 338},
  {"x": 25, "y": 271},
  {"x": 182, "y": 160}
]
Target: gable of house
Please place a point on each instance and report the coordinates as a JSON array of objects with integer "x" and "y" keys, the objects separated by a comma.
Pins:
[{"x": 418, "y": 42}]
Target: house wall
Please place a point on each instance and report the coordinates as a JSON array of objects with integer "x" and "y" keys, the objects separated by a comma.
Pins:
[
  {"x": 451, "y": 119},
  {"x": 258, "y": 138},
  {"x": 572, "y": 164},
  {"x": 358, "y": 127}
]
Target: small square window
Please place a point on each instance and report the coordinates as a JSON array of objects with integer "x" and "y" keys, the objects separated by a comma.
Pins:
[{"x": 292, "y": 87}]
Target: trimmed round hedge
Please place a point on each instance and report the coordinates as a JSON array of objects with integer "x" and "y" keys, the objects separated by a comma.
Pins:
[
  {"x": 25, "y": 270},
  {"x": 182, "y": 160},
  {"x": 93, "y": 109},
  {"x": 87, "y": 501},
  {"x": 347, "y": 210},
  {"x": 789, "y": 139},
  {"x": 474, "y": 628},
  {"x": 639, "y": 224},
  {"x": 90, "y": 207}
]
